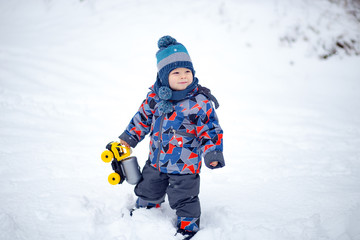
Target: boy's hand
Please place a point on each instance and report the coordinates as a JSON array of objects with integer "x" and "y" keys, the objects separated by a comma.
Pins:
[
  {"x": 124, "y": 143},
  {"x": 214, "y": 160},
  {"x": 214, "y": 163}
]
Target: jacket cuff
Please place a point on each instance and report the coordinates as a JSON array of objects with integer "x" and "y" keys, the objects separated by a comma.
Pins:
[
  {"x": 214, "y": 156},
  {"x": 129, "y": 139}
]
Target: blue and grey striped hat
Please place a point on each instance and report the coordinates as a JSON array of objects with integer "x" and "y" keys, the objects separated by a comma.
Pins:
[{"x": 171, "y": 55}]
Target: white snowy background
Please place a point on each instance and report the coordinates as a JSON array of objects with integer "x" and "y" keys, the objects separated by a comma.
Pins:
[{"x": 73, "y": 73}]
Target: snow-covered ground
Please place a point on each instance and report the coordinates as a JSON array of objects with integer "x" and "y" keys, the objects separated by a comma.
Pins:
[{"x": 73, "y": 73}]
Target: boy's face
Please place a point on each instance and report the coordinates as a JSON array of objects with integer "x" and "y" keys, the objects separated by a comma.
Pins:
[{"x": 180, "y": 78}]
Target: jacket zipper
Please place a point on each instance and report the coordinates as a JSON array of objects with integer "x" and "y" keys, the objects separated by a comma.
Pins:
[
  {"x": 160, "y": 141},
  {"x": 185, "y": 134}
]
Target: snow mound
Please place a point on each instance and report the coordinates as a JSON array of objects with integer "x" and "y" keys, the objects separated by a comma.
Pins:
[{"x": 327, "y": 28}]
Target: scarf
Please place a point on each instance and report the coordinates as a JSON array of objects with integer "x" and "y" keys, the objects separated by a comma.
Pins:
[{"x": 167, "y": 95}]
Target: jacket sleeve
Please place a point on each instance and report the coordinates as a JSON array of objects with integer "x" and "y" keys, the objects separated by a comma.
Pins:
[
  {"x": 210, "y": 135},
  {"x": 140, "y": 124}
]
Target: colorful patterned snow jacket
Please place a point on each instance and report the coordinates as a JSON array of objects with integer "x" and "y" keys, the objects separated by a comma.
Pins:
[{"x": 180, "y": 138}]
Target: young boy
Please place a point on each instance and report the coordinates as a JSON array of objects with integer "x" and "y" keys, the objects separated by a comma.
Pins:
[{"x": 183, "y": 127}]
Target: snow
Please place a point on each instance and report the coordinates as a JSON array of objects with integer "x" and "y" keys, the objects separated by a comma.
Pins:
[{"x": 73, "y": 73}]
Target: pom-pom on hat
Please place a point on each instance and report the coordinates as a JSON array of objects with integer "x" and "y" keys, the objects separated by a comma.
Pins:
[{"x": 171, "y": 55}]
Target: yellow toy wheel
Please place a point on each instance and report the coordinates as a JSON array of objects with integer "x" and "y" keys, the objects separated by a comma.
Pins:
[
  {"x": 114, "y": 178},
  {"x": 107, "y": 156}
]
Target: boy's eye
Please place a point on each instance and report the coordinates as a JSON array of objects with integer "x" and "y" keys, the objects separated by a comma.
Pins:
[{"x": 175, "y": 72}]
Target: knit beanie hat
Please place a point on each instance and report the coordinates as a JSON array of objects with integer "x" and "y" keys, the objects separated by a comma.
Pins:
[{"x": 171, "y": 55}]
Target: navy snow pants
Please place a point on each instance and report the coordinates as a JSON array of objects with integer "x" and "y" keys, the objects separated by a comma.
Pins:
[{"x": 182, "y": 191}]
